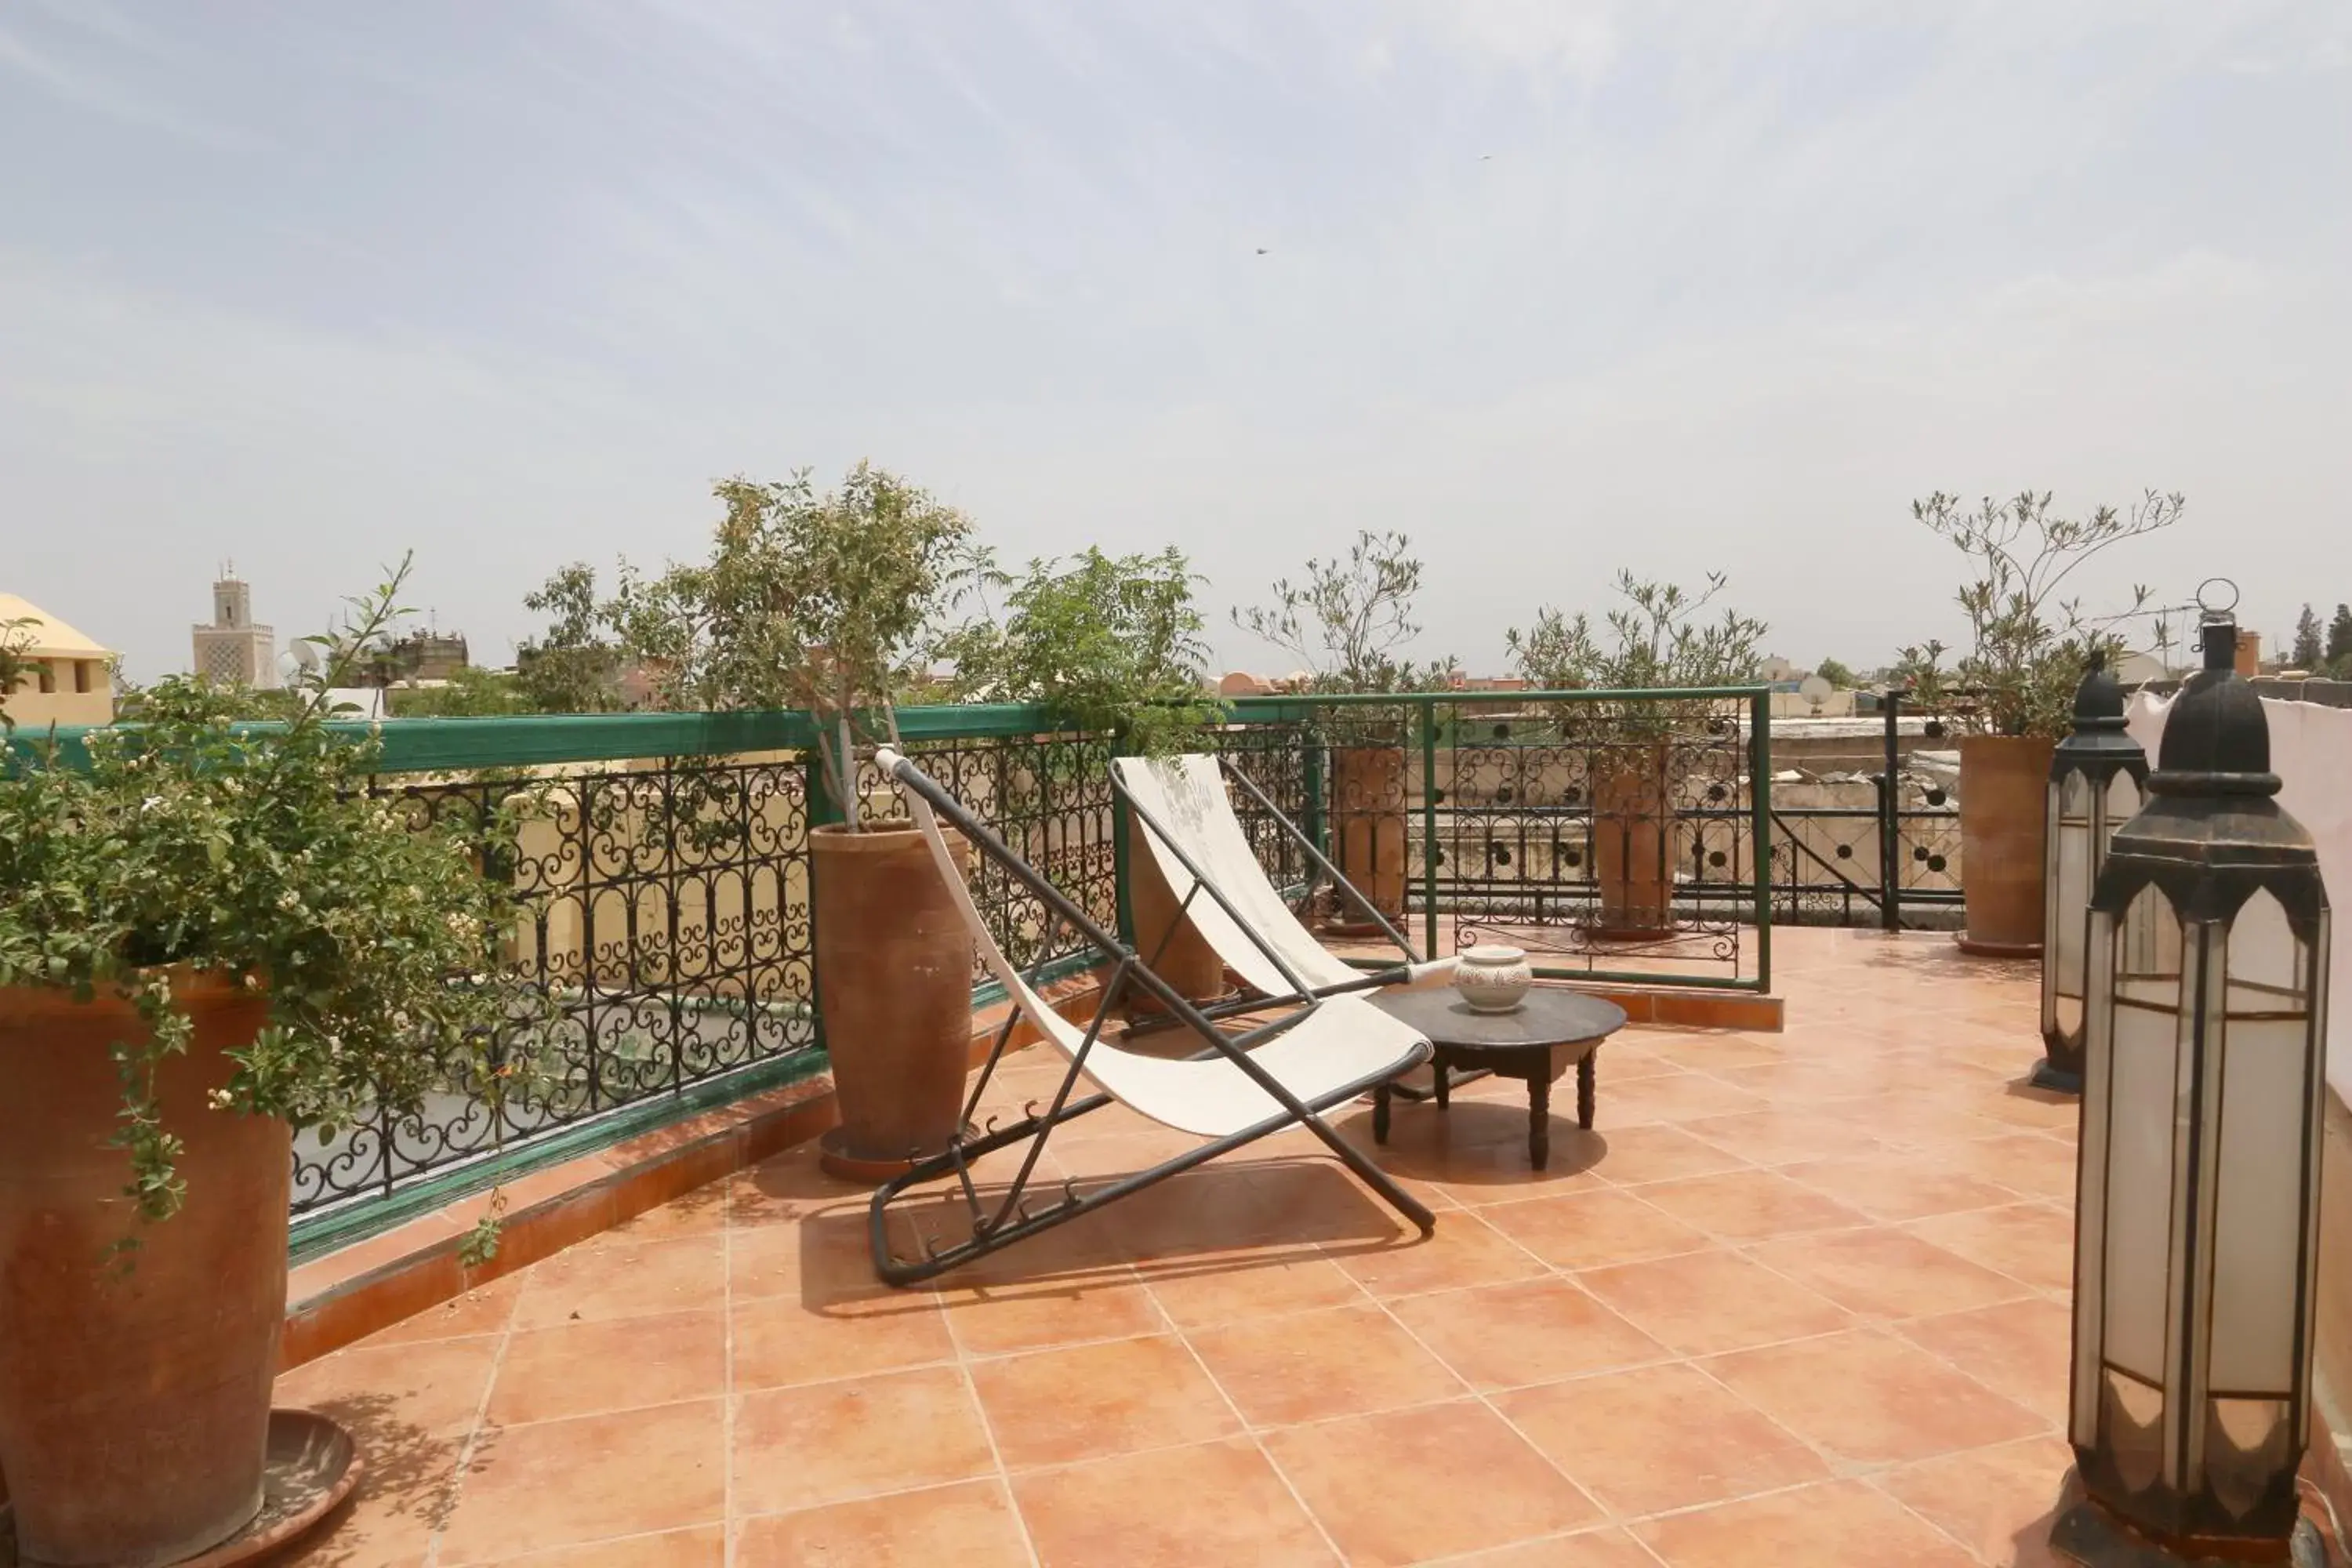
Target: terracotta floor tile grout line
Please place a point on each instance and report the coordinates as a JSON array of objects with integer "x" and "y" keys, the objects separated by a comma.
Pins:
[
  {"x": 466, "y": 1449},
  {"x": 1876, "y": 1481},
  {"x": 1477, "y": 1394},
  {"x": 996, "y": 1460},
  {"x": 1611, "y": 1527},
  {"x": 726, "y": 1530},
  {"x": 2025, "y": 1291},
  {"x": 964, "y": 1360},
  {"x": 1256, "y": 1438}
]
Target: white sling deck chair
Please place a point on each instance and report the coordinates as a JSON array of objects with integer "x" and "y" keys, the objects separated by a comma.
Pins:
[
  {"x": 1198, "y": 844},
  {"x": 1322, "y": 1052}
]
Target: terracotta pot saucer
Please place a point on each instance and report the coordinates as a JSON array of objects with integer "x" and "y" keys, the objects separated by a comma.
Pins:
[{"x": 311, "y": 1466}]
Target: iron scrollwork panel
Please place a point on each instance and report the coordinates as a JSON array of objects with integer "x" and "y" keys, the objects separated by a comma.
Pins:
[
  {"x": 666, "y": 920},
  {"x": 1610, "y": 836}
]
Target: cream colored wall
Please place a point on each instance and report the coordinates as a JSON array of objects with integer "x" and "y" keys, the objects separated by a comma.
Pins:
[
  {"x": 30, "y": 708},
  {"x": 2332, "y": 1339}
]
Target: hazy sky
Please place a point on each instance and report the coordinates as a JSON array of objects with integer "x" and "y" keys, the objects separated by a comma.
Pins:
[{"x": 1555, "y": 285}]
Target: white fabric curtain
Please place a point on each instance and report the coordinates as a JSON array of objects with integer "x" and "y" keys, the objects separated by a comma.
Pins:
[{"x": 2311, "y": 752}]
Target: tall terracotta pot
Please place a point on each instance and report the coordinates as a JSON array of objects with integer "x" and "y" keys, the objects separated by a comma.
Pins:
[
  {"x": 1163, "y": 931},
  {"x": 2004, "y": 827},
  {"x": 1368, "y": 832},
  {"x": 134, "y": 1403},
  {"x": 894, "y": 988},
  {"x": 1631, "y": 826}
]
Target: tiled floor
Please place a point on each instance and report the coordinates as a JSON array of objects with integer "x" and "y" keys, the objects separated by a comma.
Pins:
[{"x": 1797, "y": 1299}]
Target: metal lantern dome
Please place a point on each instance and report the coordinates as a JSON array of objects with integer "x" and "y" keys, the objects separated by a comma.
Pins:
[
  {"x": 2098, "y": 779},
  {"x": 2196, "y": 1216}
]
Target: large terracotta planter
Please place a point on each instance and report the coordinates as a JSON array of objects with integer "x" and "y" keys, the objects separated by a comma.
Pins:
[
  {"x": 2004, "y": 825},
  {"x": 894, "y": 988},
  {"x": 1163, "y": 931},
  {"x": 134, "y": 1403},
  {"x": 1368, "y": 832},
  {"x": 1631, "y": 826}
]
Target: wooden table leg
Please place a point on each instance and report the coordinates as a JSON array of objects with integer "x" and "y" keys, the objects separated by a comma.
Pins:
[
  {"x": 1437, "y": 1071},
  {"x": 1584, "y": 1074},
  {"x": 1381, "y": 1112},
  {"x": 1540, "y": 1119}
]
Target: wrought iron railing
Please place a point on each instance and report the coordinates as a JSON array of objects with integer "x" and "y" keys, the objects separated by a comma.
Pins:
[
  {"x": 662, "y": 863},
  {"x": 1831, "y": 854},
  {"x": 1611, "y": 834}
]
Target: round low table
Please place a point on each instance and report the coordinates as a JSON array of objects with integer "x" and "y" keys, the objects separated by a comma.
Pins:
[{"x": 1535, "y": 1042}]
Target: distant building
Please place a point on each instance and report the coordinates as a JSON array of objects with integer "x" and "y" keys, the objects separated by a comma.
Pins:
[
  {"x": 422, "y": 658},
  {"x": 72, "y": 678},
  {"x": 233, "y": 650}
]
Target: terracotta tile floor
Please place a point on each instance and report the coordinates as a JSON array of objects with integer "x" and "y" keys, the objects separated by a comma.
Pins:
[{"x": 1798, "y": 1298}]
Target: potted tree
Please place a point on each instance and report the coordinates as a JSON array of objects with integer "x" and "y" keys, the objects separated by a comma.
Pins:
[
  {"x": 1345, "y": 623},
  {"x": 2009, "y": 697},
  {"x": 1112, "y": 646},
  {"x": 829, "y": 602},
  {"x": 1658, "y": 641},
  {"x": 212, "y": 936}
]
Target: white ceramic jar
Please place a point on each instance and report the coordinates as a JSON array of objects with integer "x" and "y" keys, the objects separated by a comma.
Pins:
[{"x": 1492, "y": 978}]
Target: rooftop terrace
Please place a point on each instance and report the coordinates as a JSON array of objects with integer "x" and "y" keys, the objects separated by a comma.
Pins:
[{"x": 1797, "y": 1299}]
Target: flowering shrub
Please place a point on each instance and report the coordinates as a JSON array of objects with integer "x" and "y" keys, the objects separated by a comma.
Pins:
[{"x": 190, "y": 841}]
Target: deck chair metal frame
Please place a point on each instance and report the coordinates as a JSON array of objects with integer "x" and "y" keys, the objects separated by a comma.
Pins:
[{"x": 1001, "y": 1219}]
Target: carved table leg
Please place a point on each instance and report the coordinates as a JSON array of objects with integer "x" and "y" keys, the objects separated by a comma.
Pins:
[
  {"x": 1584, "y": 1071},
  {"x": 1437, "y": 1071},
  {"x": 1381, "y": 1112},
  {"x": 1539, "y": 1119}
]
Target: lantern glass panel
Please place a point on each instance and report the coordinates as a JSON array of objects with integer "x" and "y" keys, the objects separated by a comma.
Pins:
[
  {"x": 2263, "y": 1049},
  {"x": 2124, "y": 801},
  {"x": 2131, "y": 1422},
  {"x": 2090, "y": 1193},
  {"x": 2246, "y": 1446},
  {"x": 2070, "y": 896},
  {"x": 2141, "y": 1136}
]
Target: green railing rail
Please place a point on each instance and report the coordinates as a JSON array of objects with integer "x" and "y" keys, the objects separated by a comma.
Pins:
[{"x": 456, "y": 745}]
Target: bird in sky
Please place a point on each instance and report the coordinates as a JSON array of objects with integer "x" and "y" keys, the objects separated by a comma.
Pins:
[{"x": 1261, "y": 250}]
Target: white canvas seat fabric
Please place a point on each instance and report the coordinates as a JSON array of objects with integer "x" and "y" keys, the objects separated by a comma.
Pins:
[
  {"x": 1186, "y": 795},
  {"x": 1343, "y": 1041}
]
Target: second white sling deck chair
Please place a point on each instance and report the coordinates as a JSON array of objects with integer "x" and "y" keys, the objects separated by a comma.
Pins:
[
  {"x": 1318, "y": 1053},
  {"x": 1199, "y": 844}
]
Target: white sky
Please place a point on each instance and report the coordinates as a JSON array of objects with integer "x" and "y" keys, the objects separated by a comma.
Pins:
[{"x": 1555, "y": 285}]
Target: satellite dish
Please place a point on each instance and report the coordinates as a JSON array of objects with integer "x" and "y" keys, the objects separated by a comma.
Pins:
[{"x": 1815, "y": 691}]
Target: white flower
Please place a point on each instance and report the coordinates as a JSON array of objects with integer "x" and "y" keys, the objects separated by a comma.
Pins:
[
  {"x": 289, "y": 900},
  {"x": 220, "y": 1098},
  {"x": 151, "y": 802}
]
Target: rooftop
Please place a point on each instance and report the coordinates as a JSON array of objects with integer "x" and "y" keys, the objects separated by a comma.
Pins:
[
  {"x": 1799, "y": 1297},
  {"x": 43, "y": 634}
]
